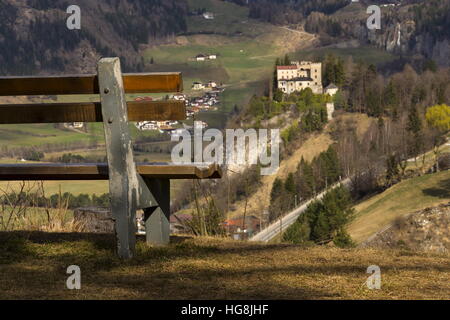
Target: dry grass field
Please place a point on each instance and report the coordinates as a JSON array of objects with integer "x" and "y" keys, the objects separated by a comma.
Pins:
[{"x": 33, "y": 266}]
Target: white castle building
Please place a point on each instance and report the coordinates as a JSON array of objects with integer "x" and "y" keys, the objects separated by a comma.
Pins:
[{"x": 299, "y": 76}]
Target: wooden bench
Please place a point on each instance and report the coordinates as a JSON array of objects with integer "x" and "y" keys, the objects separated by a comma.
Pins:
[{"x": 132, "y": 186}]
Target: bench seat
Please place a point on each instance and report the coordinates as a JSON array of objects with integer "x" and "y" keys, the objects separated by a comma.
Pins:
[{"x": 99, "y": 171}]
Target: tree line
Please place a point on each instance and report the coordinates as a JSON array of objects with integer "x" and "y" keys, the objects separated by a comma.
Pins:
[
  {"x": 308, "y": 180},
  {"x": 324, "y": 220},
  {"x": 56, "y": 200},
  {"x": 44, "y": 43}
]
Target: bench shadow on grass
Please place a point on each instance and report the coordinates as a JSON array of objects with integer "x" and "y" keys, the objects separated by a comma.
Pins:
[
  {"x": 15, "y": 247},
  {"x": 16, "y": 241},
  {"x": 195, "y": 284},
  {"x": 441, "y": 191}
]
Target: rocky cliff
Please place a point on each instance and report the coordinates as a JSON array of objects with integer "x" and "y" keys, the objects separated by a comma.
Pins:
[
  {"x": 425, "y": 230},
  {"x": 421, "y": 28}
]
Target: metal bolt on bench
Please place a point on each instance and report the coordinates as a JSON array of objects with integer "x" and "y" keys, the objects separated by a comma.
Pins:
[{"x": 132, "y": 187}]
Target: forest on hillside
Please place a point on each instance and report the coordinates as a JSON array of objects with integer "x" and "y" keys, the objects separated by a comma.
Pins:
[
  {"x": 288, "y": 11},
  {"x": 36, "y": 39}
]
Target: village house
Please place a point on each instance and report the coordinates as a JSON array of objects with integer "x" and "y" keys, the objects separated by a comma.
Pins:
[
  {"x": 204, "y": 57},
  {"x": 179, "y": 97},
  {"x": 240, "y": 230},
  {"x": 198, "y": 86},
  {"x": 179, "y": 223},
  {"x": 74, "y": 125},
  {"x": 156, "y": 125},
  {"x": 331, "y": 89},
  {"x": 201, "y": 57},
  {"x": 189, "y": 112},
  {"x": 211, "y": 84},
  {"x": 208, "y": 15},
  {"x": 299, "y": 76},
  {"x": 146, "y": 125}
]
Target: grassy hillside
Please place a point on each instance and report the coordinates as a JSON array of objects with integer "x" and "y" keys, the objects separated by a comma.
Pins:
[
  {"x": 39, "y": 135},
  {"x": 247, "y": 51},
  {"x": 25, "y": 135},
  {"x": 406, "y": 197},
  {"x": 310, "y": 148},
  {"x": 77, "y": 187},
  {"x": 33, "y": 266}
]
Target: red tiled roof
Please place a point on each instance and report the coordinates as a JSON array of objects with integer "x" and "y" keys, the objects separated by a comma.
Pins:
[
  {"x": 293, "y": 67},
  {"x": 240, "y": 221}
]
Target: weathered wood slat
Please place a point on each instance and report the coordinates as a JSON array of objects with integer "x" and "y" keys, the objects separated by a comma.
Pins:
[
  {"x": 88, "y": 84},
  {"x": 99, "y": 171},
  {"x": 89, "y": 112}
]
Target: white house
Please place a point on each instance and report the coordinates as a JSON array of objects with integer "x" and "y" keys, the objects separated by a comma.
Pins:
[
  {"x": 146, "y": 125},
  {"x": 212, "y": 84},
  {"x": 179, "y": 97},
  {"x": 74, "y": 125},
  {"x": 212, "y": 56},
  {"x": 208, "y": 16},
  {"x": 331, "y": 89},
  {"x": 201, "y": 57},
  {"x": 198, "y": 86}
]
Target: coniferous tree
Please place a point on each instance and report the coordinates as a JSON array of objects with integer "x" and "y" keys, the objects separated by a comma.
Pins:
[
  {"x": 324, "y": 220},
  {"x": 414, "y": 126},
  {"x": 277, "y": 189},
  {"x": 287, "y": 60},
  {"x": 392, "y": 169},
  {"x": 289, "y": 185}
]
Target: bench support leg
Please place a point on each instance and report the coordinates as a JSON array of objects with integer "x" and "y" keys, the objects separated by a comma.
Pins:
[
  {"x": 123, "y": 179},
  {"x": 157, "y": 219}
]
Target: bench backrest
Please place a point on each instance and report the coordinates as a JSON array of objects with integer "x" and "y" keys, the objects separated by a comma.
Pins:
[{"x": 88, "y": 112}]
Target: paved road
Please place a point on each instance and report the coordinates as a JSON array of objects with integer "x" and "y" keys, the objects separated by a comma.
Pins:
[{"x": 274, "y": 229}]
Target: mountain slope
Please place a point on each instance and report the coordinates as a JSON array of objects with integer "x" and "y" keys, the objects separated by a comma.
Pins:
[
  {"x": 309, "y": 149},
  {"x": 35, "y": 39},
  {"x": 408, "y": 196}
]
